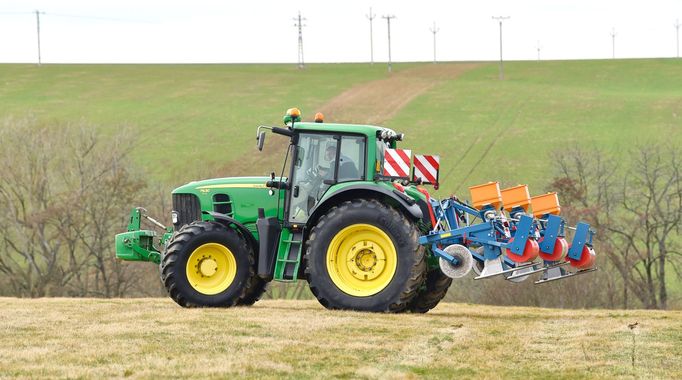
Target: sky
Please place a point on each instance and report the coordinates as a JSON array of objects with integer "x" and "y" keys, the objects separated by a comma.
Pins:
[{"x": 202, "y": 31}]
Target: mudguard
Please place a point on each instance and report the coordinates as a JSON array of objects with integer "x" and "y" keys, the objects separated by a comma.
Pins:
[
  {"x": 228, "y": 222},
  {"x": 406, "y": 204}
]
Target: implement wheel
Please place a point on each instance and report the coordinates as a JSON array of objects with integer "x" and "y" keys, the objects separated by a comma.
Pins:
[
  {"x": 208, "y": 265},
  {"x": 364, "y": 255}
]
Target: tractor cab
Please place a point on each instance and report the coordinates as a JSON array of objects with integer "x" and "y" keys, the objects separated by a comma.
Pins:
[
  {"x": 325, "y": 156},
  {"x": 322, "y": 159}
]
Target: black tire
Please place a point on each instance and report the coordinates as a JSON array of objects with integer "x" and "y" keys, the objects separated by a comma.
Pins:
[
  {"x": 254, "y": 293},
  {"x": 433, "y": 291},
  {"x": 183, "y": 243},
  {"x": 410, "y": 268}
]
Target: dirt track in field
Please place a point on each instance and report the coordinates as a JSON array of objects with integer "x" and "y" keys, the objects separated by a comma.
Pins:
[
  {"x": 378, "y": 101},
  {"x": 372, "y": 102}
]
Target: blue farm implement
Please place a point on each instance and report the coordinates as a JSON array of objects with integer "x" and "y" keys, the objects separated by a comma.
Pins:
[{"x": 497, "y": 235}]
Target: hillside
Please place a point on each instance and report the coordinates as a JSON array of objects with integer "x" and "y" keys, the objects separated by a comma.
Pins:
[
  {"x": 144, "y": 338},
  {"x": 187, "y": 119},
  {"x": 487, "y": 129},
  {"x": 196, "y": 121}
]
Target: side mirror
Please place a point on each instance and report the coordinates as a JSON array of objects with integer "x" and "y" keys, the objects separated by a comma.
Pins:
[{"x": 261, "y": 140}]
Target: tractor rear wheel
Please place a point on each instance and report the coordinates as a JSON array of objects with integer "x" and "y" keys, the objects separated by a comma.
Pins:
[
  {"x": 254, "y": 293},
  {"x": 433, "y": 291},
  {"x": 207, "y": 264},
  {"x": 364, "y": 255}
]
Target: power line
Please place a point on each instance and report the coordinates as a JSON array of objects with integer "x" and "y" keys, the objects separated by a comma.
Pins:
[
  {"x": 388, "y": 21},
  {"x": 73, "y": 16},
  {"x": 500, "y": 19},
  {"x": 15, "y": 13},
  {"x": 371, "y": 17},
  {"x": 93, "y": 17},
  {"x": 434, "y": 30},
  {"x": 613, "y": 43},
  {"x": 38, "y": 13},
  {"x": 299, "y": 24}
]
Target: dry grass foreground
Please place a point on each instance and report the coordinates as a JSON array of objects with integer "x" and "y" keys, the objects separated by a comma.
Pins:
[
  {"x": 373, "y": 102},
  {"x": 142, "y": 338}
]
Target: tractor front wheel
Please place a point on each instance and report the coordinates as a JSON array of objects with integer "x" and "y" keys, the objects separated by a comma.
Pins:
[
  {"x": 364, "y": 255},
  {"x": 208, "y": 264}
]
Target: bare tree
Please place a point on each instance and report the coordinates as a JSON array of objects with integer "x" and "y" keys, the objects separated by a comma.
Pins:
[
  {"x": 33, "y": 250},
  {"x": 637, "y": 209},
  {"x": 62, "y": 191}
]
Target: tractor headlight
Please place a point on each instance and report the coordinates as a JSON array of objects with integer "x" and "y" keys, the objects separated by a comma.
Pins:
[{"x": 174, "y": 217}]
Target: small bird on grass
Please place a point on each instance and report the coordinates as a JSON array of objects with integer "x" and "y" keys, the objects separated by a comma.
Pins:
[{"x": 632, "y": 325}]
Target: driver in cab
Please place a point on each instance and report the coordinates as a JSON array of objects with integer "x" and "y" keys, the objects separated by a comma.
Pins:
[
  {"x": 346, "y": 166},
  {"x": 314, "y": 187}
]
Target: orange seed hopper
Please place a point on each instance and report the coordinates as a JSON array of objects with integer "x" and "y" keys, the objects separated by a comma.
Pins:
[
  {"x": 517, "y": 196},
  {"x": 486, "y": 195},
  {"x": 545, "y": 204}
]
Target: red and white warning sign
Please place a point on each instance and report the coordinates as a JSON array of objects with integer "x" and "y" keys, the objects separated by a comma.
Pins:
[
  {"x": 426, "y": 167},
  {"x": 397, "y": 162}
]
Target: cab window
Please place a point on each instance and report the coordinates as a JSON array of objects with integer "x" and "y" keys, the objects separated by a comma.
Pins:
[
  {"x": 315, "y": 163},
  {"x": 352, "y": 159}
]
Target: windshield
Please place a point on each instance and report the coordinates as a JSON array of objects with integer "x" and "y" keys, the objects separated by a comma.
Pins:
[{"x": 315, "y": 155}]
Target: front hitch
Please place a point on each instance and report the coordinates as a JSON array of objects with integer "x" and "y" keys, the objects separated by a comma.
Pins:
[{"x": 139, "y": 245}]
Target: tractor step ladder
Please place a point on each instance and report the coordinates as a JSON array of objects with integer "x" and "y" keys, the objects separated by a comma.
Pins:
[{"x": 289, "y": 255}]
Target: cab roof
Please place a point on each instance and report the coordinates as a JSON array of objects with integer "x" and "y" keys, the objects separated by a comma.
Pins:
[{"x": 369, "y": 130}]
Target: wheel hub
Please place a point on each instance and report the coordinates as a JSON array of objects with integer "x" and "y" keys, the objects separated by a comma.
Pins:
[
  {"x": 207, "y": 267},
  {"x": 366, "y": 260}
]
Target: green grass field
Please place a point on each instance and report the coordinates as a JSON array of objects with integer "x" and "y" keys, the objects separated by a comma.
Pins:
[
  {"x": 185, "y": 117},
  {"x": 191, "y": 120},
  {"x": 154, "y": 338},
  {"x": 490, "y": 130}
]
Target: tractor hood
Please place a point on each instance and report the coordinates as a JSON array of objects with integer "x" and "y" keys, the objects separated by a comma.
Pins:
[
  {"x": 237, "y": 197},
  {"x": 208, "y": 185}
]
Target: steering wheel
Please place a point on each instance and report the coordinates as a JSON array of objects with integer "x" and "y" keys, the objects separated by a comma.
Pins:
[{"x": 310, "y": 175}]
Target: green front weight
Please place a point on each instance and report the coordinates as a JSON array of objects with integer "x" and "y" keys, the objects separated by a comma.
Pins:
[{"x": 137, "y": 246}]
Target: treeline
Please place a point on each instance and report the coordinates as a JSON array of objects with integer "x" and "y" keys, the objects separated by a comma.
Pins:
[{"x": 66, "y": 189}]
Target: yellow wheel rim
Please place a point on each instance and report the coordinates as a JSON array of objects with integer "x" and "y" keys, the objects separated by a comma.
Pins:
[
  {"x": 211, "y": 268},
  {"x": 361, "y": 260}
]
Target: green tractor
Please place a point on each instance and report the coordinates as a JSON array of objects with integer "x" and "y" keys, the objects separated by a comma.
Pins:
[{"x": 336, "y": 220}]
